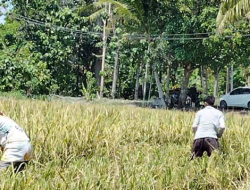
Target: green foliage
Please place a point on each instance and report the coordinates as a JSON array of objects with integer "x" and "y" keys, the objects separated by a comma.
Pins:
[
  {"x": 90, "y": 91},
  {"x": 56, "y": 43},
  {"x": 21, "y": 70},
  {"x": 67, "y": 54}
]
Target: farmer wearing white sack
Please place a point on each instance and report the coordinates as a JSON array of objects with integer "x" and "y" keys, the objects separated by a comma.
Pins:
[
  {"x": 208, "y": 126},
  {"x": 15, "y": 145}
]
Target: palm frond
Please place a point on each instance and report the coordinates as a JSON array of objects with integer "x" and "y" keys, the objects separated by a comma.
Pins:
[
  {"x": 96, "y": 14},
  {"x": 248, "y": 15},
  {"x": 98, "y": 4},
  {"x": 123, "y": 10},
  {"x": 116, "y": 3},
  {"x": 230, "y": 11},
  {"x": 139, "y": 9},
  {"x": 85, "y": 8}
]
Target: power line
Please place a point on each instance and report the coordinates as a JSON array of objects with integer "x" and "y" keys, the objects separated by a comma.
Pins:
[
  {"x": 168, "y": 37},
  {"x": 131, "y": 36},
  {"x": 185, "y": 34},
  {"x": 45, "y": 24}
]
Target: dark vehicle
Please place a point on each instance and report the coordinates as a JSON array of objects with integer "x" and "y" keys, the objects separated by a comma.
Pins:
[{"x": 192, "y": 100}]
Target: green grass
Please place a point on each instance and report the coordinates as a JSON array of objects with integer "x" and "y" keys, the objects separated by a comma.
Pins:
[{"x": 98, "y": 146}]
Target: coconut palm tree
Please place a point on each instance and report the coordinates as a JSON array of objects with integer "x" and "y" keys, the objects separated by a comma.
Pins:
[
  {"x": 231, "y": 10},
  {"x": 105, "y": 10},
  {"x": 140, "y": 15}
]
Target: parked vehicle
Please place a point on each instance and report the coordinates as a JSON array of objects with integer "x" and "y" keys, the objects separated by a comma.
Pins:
[
  {"x": 239, "y": 97},
  {"x": 192, "y": 98}
]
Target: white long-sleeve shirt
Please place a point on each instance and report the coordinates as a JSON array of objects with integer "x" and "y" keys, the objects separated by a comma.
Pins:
[
  {"x": 210, "y": 122},
  {"x": 10, "y": 131}
]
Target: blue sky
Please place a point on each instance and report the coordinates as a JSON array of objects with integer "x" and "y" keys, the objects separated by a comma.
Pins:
[
  {"x": 3, "y": 10},
  {"x": 1, "y": 19}
]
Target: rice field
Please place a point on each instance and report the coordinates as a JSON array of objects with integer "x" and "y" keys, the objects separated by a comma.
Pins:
[{"x": 99, "y": 146}]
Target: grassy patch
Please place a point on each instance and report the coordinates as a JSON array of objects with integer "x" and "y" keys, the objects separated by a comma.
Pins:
[{"x": 100, "y": 146}]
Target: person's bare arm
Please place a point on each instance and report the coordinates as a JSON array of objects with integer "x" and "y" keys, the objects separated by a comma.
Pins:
[
  {"x": 196, "y": 123},
  {"x": 222, "y": 126}
]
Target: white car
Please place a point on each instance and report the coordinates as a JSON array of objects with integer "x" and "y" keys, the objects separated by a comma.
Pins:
[{"x": 239, "y": 97}]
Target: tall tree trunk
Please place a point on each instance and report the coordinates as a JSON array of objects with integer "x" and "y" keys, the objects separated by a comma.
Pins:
[
  {"x": 120, "y": 85},
  {"x": 248, "y": 80},
  {"x": 216, "y": 84},
  {"x": 115, "y": 75},
  {"x": 103, "y": 60},
  {"x": 159, "y": 86},
  {"x": 144, "y": 88},
  {"x": 184, "y": 88},
  {"x": 98, "y": 61},
  {"x": 145, "y": 78},
  {"x": 137, "y": 84},
  {"x": 160, "y": 76},
  {"x": 97, "y": 69},
  {"x": 201, "y": 75},
  {"x": 104, "y": 40},
  {"x": 145, "y": 82},
  {"x": 206, "y": 81},
  {"x": 232, "y": 78},
  {"x": 228, "y": 80},
  {"x": 77, "y": 79},
  {"x": 168, "y": 80},
  {"x": 150, "y": 86},
  {"x": 247, "y": 75}
]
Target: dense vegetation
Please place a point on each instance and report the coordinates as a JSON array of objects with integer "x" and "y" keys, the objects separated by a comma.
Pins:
[
  {"x": 121, "y": 49},
  {"x": 88, "y": 146},
  {"x": 132, "y": 49}
]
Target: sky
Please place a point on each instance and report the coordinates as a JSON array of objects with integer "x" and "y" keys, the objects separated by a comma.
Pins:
[
  {"x": 3, "y": 10},
  {"x": 2, "y": 17}
]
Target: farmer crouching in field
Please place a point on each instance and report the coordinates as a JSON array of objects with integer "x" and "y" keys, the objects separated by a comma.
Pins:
[
  {"x": 208, "y": 126},
  {"x": 15, "y": 145}
]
